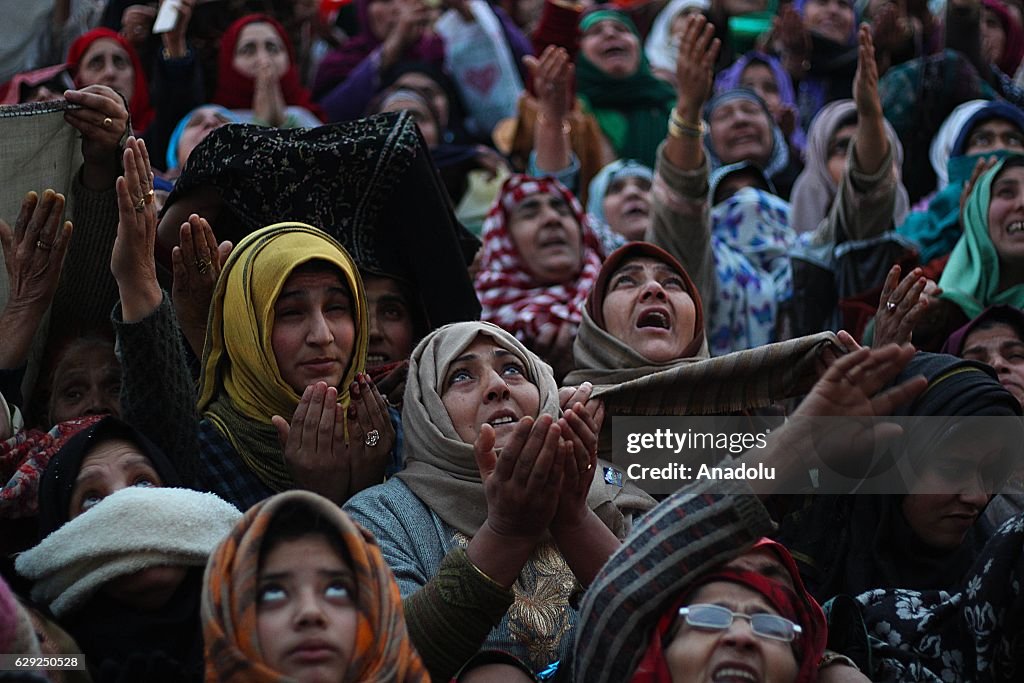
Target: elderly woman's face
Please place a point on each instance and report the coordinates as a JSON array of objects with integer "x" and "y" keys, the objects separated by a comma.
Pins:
[
  {"x": 612, "y": 48},
  {"x": 314, "y": 329},
  {"x": 259, "y": 46},
  {"x": 487, "y": 384},
  {"x": 627, "y": 206},
  {"x": 648, "y": 308},
  {"x": 547, "y": 237},
  {"x": 1006, "y": 216},
  {"x": 1001, "y": 347},
  {"x": 203, "y": 122},
  {"x": 86, "y": 381},
  {"x": 107, "y": 63},
  {"x": 306, "y": 615},
  {"x": 741, "y": 131},
  {"x": 698, "y": 655}
]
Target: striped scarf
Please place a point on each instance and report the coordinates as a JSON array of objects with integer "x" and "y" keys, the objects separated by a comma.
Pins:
[
  {"x": 383, "y": 652},
  {"x": 510, "y": 296}
]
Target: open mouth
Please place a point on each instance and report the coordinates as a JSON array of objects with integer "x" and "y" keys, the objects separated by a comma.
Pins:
[
  {"x": 554, "y": 240},
  {"x": 656, "y": 319},
  {"x": 376, "y": 359},
  {"x": 1015, "y": 227},
  {"x": 731, "y": 674},
  {"x": 615, "y": 51},
  {"x": 636, "y": 210}
]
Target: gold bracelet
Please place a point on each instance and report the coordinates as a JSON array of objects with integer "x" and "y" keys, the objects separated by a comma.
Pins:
[
  {"x": 830, "y": 658},
  {"x": 482, "y": 574},
  {"x": 677, "y": 118},
  {"x": 566, "y": 126},
  {"x": 684, "y": 131}
]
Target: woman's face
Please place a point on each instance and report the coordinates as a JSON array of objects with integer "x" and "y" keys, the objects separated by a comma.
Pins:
[
  {"x": 86, "y": 381},
  {"x": 759, "y": 78},
  {"x": 612, "y": 48},
  {"x": 1006, "y": 216},
  {"x": 993, "y": 135},
  {"x": 383, "y": 17},
  {"x": 993, "y": 36},
  {"x": 952, "y": 490},
  {"x": 314, "y": 330},
  {"x": 420, "y": 113},
  {"x": 306, "y": 614},
  {"x": 259, "y": 45},
  {"x": 838, "y": 150},
  {"x": 648, "y": 308},
  {"x": 391, "y": 334},
  {"x": 627, "y": 206},
  {"x": 547, "y": 237},
  {"x": 430, "y": 89},
  {"x": 832, "y": 19},
  {"x": 107, "y": 63},
  {"x": 698, "y": 655},
  {"x": 741, "y": 131},
  {"x": 487, "y": 384},
  {"x": 1001, "y": 347},
  {"x": 202, "y": 123}
]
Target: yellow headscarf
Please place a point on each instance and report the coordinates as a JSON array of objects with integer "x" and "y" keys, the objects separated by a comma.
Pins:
[{"x": 241, "y": 386}]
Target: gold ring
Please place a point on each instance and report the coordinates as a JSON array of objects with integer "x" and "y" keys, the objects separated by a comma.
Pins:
[
  {"x": 108, "y": 122},
  {"x": 140, "y": 205},
  {"x": 150, "y": 196},
  {"x": 43, "y": 245}
]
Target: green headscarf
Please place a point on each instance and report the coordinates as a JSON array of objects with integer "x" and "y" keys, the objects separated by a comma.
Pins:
[
  {"x": 633, "y": 110},
  {"x": 971, "y": 277}
]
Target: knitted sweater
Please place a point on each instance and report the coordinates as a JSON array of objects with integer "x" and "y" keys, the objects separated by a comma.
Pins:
[
  {"x": 690, "y": 532},
  {"x": 452, "y": 609}
]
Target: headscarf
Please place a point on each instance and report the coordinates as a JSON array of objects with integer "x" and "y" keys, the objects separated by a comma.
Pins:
[
  {"x": 799, "y": 607},
  {"x": 341, "y": 62},
  {"x": 731, "y": 78},
  {"x": 604, "y": 359},
  {"x": 971, "y": 277},
  {"x": 58, "y": 479},
  {"x": 942, "y": 146},
  {"x": 510, "y": 297},
  {"x": 620, "y": 168},
  {"x": 660, "y": 48},
  {"x": 752, "y": 239},
  {"x": 344, "y": 178},
  {"x": 56, "y": 76},
  {"x": 16, "y": 631},
  {"x": 441, "y": 468},
  {"x": 235, "y": 89},
  {"x": 179, "y": 130},
  {"x": 937, "y": 230},
  {"x": 1013, "y": 48},
  {"x": 141, "y": 111},
  {"x": 633, "y": 110},
  {"x": 814, "y": 189},
  {"x": 383, "y": 650},
  {"x": 853, "y": 543},
  {"x": 999, "y": 313},
  {"x": 241, "y": 386},
  {"x": 778, "y": 157}
]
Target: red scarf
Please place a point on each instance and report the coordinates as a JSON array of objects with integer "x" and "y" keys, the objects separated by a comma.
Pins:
[
  {"x": 235, "y": 90},
  {"x": 141, "y": 111}
]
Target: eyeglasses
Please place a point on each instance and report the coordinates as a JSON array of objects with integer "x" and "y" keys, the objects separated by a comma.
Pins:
[{"x": 717, "y": 618}]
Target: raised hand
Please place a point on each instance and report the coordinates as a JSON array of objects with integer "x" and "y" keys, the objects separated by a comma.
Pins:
[
  {"x": 865, "y": 82},
  {"x": 131, "y": 261},
  {"x": 174, "y": 40},
  {"x": 580, "y": 426},
  {"x": 698, "y": 50},
  {"x": 137, "y": 23},
  {"x": 267, "y": 100},
  {"x": 102, "y": 120},
  {"x": 371, "y": 434},
  {"x": 197, "y": 262},
  {"x": 552, "y": 75},
  {"x": 901, "y": 305}
]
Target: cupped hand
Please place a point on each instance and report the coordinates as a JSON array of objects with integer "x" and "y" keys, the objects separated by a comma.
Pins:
[
  {"x": 196, "y": 262},
  {"x": 901, "y": 306},
  {"x": 313, "y": 443},
  {"x": 34, "y": 251},
  {"x": 695, "y": 64},
  {"x": 552, "y": 75},
  {"x": 580, "y": 427},
  {"x": 371, "y": 435}
]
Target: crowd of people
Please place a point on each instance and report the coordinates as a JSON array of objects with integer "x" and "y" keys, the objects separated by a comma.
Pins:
[{"x": 316, "y": 316}]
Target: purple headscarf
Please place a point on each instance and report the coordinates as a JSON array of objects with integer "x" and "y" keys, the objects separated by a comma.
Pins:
[{"x": 730, "y": 78}]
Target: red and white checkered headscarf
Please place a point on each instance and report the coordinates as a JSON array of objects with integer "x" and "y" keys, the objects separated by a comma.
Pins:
[{"x": 511, "y": 298}]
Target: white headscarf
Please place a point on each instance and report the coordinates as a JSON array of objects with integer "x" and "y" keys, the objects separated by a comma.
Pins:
[
  {"x": 660, "y": 48},
  {"x": 942, "y": 143}
]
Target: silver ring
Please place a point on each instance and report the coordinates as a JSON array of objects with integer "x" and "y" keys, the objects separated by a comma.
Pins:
[
  {"x": 372, "y": 438},
  {"x": 891, "y": 305}
]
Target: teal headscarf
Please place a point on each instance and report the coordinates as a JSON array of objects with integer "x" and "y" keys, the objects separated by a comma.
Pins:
[
  {"x": 633, "y": 110},
  {"x": 971, "y": 278}
]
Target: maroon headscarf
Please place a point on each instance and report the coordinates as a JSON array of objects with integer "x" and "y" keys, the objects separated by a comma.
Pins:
[
  {"x": 235, "y": 89},
  {"x": 1000, "y": 313},
  {"x": 141, "y": 111},
  {"x": 1013, "y": 50},
  {"x": 799, "y": 607},
  {"x": 339, "y": 63}
]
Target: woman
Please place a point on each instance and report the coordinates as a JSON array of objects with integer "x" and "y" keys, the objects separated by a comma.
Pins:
[
  {"x": 124, "y": 579},
  {"x": 102, "y": 56},
  {"x": 834, "y": 131},
  {"x": 298, "y": 590},
  {"x": 192, "y": 130},
  {"x": 618, "y": 203},
  {"x": 257, "y": 78},
  {"x": 662, "y": 42},
  {"x": 536, "y": 522},
  {"x": 929, "y": 537},
  {"x": 539, "y": 261},
  {"x": 615, "y": 81},
  {"x": 766, "y": 76}
]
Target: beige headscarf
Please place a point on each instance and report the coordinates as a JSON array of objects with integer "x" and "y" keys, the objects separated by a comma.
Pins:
[{"x": 441, "y": 468}]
